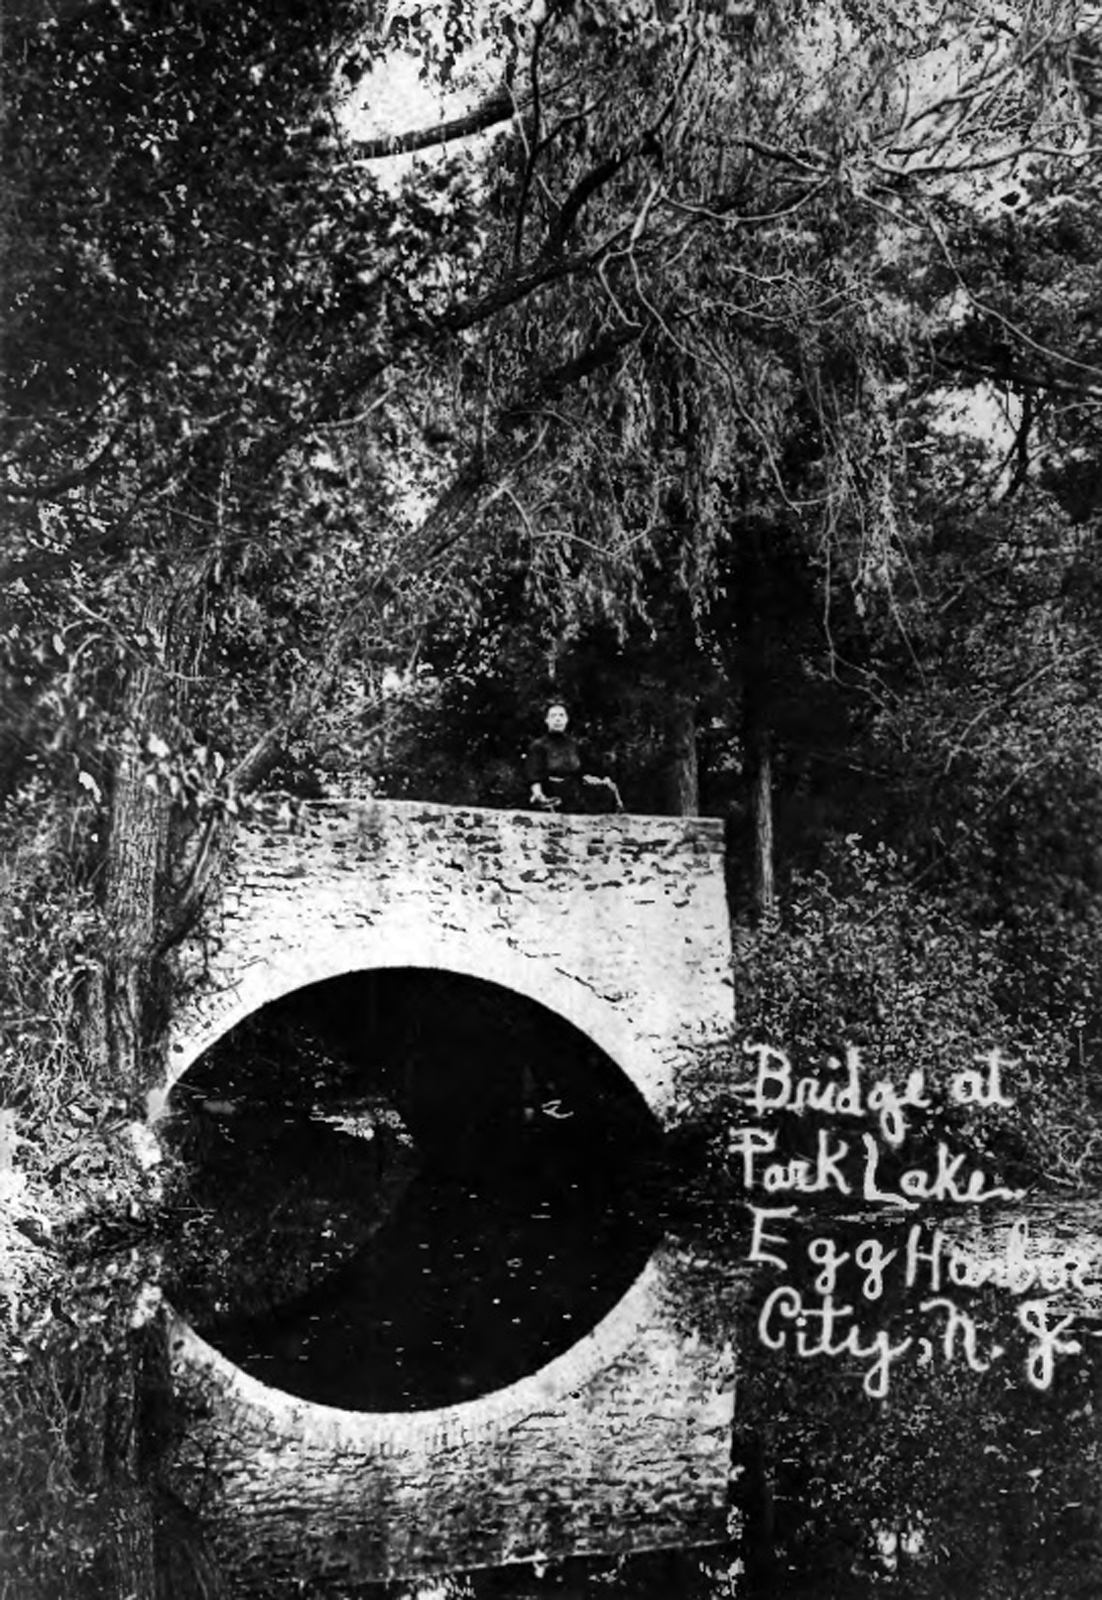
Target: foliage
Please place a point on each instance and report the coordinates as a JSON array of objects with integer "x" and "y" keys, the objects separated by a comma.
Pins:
[
  {"x": 79, "y": 1418},
  {"x": 865, "y": 958},
  {"x": 961, "y": 1483},
  {"x": 47, "y": 928}
]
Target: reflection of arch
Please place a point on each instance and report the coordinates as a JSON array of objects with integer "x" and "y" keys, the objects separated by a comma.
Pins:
[
  {"x": 470, "y": 1155},
  {"x": 621, "y": 1444},
  {"x": 492, "y": 961},
  {"x": 376, "y": 1432}
]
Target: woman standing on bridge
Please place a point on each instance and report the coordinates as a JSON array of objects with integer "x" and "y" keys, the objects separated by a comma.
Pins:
[{"x": 554, "y": 768}]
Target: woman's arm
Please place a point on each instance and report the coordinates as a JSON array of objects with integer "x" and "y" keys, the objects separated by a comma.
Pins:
[{"x": 535, "y": 768}]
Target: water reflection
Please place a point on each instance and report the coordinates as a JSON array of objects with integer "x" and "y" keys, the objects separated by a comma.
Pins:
[
  {"x": 465, "y": 1290},
  {"x": 963, "y": 1479},
  {"x": 413, "y": 1190}
]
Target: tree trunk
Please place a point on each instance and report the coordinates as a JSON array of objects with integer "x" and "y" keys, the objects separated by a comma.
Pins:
[
  {"x": 122, "y": 1024},
  {"x": 759, "y": 1514},
  {"x": 134, "y": 866},
  {"x": 757, "y": 733},
  {"x": 760, "y": 764},
  {"x": 684, "y": 777},
  {"x": 122, "y": 1031},
  {"x": 128, "y": 1552}
]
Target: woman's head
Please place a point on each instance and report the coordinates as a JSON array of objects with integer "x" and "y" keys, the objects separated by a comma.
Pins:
[{"x": 557, "y": 717}]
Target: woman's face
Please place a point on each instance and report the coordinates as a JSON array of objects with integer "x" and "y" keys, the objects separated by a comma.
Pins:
[{"x": 557, "y": 719}]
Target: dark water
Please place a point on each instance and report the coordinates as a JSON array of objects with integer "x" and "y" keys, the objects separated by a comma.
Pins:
[
  {"x": 465, "y": 1289},
  {"x": 415, "y": 1191},
  {"x": 964, "y": 1479}
]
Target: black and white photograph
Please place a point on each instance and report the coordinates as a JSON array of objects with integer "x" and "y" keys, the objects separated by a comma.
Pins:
[{"x": 550, "y": 800}]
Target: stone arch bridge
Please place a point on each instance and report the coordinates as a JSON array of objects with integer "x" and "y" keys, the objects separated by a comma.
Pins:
[{"x": 618, "y": 924}]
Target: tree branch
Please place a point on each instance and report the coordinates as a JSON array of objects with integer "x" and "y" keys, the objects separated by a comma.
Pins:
[
  {"x": 646, "y": 144},
  {"x": 533, "y": 146},
  {"x": 439, "y": 532},
  {"x": 1020, "y": 447},
  {"x": 498, "y": 108}
]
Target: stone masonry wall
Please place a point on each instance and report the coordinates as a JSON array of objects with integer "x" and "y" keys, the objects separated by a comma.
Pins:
[{"x": 618, "y": 923}]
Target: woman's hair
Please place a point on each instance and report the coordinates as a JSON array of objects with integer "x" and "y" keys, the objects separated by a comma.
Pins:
[{"x": 556, "y": 705}]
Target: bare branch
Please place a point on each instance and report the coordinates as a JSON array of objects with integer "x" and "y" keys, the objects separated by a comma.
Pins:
[
  {"x": 533, "y": 145},
  {"x": 498, "y": 108},
  {"x": 646, "y": 144}
]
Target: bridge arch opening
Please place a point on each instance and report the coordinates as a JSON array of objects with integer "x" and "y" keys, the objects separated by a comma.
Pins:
[{"x": 414, "y": 1188}]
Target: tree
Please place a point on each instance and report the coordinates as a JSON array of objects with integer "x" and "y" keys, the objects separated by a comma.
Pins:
[
  {"x": 646, "y": 213},
  {"x": 776, "y": 305}
]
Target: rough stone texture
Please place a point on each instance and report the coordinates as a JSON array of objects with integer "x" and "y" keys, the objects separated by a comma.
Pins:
[
  {"x": 618, "y": 924},
  {"x": 621, "y": 1444}
]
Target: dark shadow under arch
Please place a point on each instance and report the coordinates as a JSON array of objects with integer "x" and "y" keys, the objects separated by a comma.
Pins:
[{"x": 419, "y": 1187}]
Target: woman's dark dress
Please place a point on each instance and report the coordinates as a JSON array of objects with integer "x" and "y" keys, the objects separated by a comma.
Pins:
[{"x": 555, "y": 763}]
